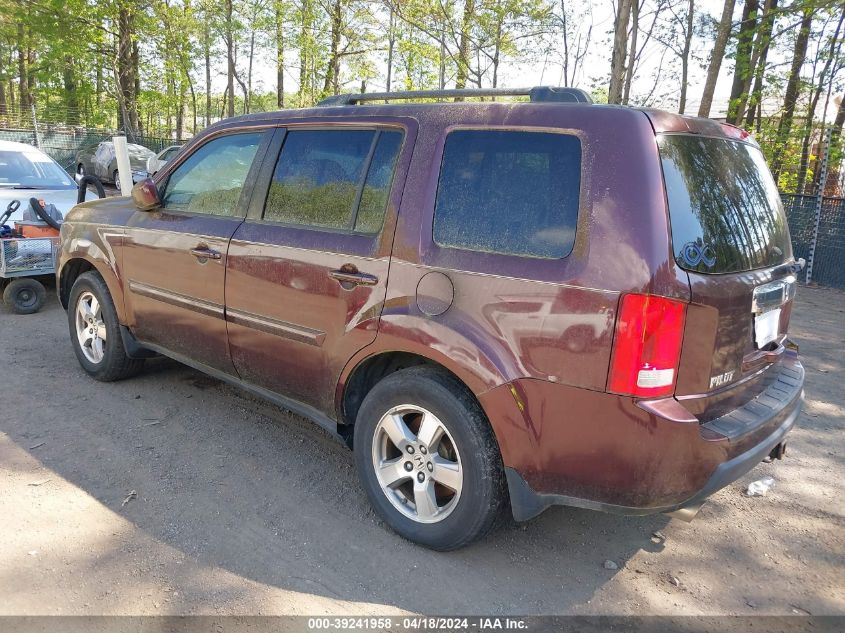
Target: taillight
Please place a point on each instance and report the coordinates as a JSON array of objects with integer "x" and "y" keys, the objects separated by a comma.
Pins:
[{"x": 647, "y": 346}]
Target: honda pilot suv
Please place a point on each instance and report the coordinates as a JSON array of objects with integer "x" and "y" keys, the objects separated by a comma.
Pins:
[{"x": 494, "y": 304}]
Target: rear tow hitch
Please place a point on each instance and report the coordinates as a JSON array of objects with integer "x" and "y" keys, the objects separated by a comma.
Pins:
[{"x": 778, "y": 452}]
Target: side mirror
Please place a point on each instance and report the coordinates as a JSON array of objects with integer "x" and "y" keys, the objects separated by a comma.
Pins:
[{"x": 145, "y": 195}]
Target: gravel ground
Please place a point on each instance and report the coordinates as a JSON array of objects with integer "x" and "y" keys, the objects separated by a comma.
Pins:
[{"x": 173, "y": 493}]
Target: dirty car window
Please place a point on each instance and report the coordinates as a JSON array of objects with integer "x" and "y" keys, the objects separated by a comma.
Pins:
[
  {"x": 335, "y": 179},
  {"x": 211, "y": 178},
  {"x": 511, "y": 192}
]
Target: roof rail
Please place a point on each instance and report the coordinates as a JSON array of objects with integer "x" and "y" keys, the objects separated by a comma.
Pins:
[{"x": 537, "y": 94}]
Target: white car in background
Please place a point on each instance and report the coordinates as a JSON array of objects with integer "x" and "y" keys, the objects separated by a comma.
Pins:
[
  {"x": 155, "y": 163},
  {"x": 27, "y": 172}
]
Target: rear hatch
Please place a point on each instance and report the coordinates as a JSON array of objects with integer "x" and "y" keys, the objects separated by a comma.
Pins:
[{"x": 729, "y": 233}]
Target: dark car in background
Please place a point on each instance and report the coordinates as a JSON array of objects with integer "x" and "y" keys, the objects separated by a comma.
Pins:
[
  {"x": 494, "y": 304},
  {"x": 99, "y": 160}
]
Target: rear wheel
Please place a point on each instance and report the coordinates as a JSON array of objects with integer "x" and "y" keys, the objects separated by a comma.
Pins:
[
  {"x": 24, "y": 296},
  {"x": 428, "y": 459},
  {"x": 116, "y": 179},
  {"x": 95, "y": 331}
]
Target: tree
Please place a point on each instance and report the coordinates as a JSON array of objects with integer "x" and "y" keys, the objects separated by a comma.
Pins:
[
  {"x": 759, "y": 59},
  {"x": 620, "y": 47},
  {"x": 832, "y": 53},
  {"x": 576, "y": 42},
  {"x": 336, "y": 10},
  {"x": 126, "y": 71},
  {"x": 790, "y": 97},
  {"x": 685, "y": 54},
  {"x": 722, "y": 34},
  {"x": 391, "y": 47},
  {"x": 280, "y": 10},
  {"x": 637, "y": 46},
  {"x": 229, "y": 39},
  {"x": 463, "y": 47},
  {"x": 835, "y": 140},
  {"x": 742, "y": 68}
]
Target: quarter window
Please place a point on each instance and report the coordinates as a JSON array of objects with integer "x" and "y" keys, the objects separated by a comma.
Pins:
[
  {"x": 210, "y": 180},
  {"x": 509, "y": 192},
  {"x": 336, "y": 179}
]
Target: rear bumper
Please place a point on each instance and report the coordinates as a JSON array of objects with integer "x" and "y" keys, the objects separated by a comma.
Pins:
[
  {"x": 526, "y": 503},
  {"x": 639, "y": 458}
]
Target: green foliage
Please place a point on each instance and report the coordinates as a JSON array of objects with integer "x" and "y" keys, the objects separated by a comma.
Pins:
[{"x": 68, "y": 53}]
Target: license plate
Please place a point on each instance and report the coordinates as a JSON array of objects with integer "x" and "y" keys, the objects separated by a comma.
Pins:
[{"x": 766, "y": 327}]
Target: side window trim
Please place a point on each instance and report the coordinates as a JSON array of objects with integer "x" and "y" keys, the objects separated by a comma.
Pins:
[
  {"x": 248, "y": 187},
  {"x": 365, "y": 173},
  {"x": 264, "y": 176}
]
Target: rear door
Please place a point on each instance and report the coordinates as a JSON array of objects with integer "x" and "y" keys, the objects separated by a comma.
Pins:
[
  {"x": 174, "y": 258},
  {"x": 729, "y": 233},
  {"x": 307, "y": 271}
]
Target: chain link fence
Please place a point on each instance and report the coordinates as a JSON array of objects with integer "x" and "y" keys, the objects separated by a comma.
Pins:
[
  {"x": 63, "y": 145},
  {"x": 817, "y": 222},
  {"x": 828, "y": 256}
]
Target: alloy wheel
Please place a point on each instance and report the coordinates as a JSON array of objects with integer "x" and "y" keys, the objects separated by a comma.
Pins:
[
  {"x": 90, "y": 327},
  {"x": 417, "y": 463}
]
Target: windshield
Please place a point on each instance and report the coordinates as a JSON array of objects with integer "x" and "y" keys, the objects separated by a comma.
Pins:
[
  {"x": 32, "y": 170},
  {"x": 724, "y": 207}
]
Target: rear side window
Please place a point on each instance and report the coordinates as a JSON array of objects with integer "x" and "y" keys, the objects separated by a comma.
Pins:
[
  {"x": 724, "y": 206},
  {"x": 336, "y": 179},
  {"x": 509, "y": 192}
]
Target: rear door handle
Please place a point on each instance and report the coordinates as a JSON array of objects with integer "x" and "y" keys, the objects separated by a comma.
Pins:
[
  {"x": 203, "y": 252},
  {"x": 351, "y": 277}
]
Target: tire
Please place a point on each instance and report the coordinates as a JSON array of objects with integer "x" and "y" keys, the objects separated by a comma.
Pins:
[
  {"x": 115, "y": 176},
  {"x": 104, "y": 358},
  {"x": 24, "y": 296},
  {"x": 467, "y": 452},
  {"x": 80, "y": 169}
]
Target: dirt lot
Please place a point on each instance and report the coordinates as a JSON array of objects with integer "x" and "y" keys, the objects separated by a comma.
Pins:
[{"x": 173, "y": 493}]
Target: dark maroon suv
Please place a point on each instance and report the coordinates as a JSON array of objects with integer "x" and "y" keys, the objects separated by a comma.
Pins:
[{"x": 493, "y": 303}]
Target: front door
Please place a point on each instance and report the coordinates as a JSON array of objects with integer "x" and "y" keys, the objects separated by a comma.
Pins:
[
  {"x": 174, "y": 258},
  {"x": 307, "y": 271}
]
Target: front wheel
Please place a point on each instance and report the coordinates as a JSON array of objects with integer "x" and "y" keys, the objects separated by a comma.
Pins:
[
  {"x": 428, "y": 459},
  {"x": 95, "y": 331}
]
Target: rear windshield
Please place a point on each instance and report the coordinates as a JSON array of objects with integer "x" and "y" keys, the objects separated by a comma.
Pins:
[{"x": 724, "y": 206}]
